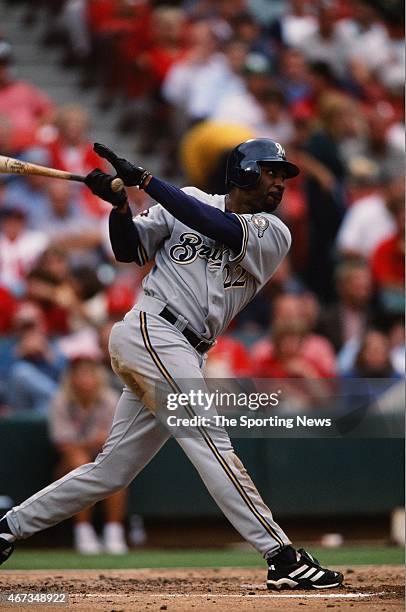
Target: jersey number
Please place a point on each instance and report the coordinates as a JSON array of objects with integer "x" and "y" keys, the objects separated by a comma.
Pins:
[{"x": 239, "y": 280}]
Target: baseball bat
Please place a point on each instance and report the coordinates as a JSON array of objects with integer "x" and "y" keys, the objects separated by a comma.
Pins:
[{"x": 9, "y": 165}]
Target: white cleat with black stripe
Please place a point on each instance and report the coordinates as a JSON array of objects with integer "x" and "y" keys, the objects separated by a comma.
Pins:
[{"x": 306, "y": 573}]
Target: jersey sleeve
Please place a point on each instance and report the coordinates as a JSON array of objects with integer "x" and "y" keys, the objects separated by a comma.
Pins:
[
  {"x": 153, "y": 225},
  {"x": 211, "y": 200},
  {"x": 266, "y": 241}
]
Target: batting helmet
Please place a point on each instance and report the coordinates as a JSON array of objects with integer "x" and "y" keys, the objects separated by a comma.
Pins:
[{"x": 243, "y": 169}]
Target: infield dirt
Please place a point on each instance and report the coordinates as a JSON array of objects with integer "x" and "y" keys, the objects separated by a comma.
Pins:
[{"x": 367, "y": 588}]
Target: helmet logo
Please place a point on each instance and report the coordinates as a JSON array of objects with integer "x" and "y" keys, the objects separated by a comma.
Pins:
[{"x": 281, "y": 150}]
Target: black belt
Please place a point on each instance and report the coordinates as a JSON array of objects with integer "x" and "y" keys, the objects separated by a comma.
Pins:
[{"x": 202, "y": 346}]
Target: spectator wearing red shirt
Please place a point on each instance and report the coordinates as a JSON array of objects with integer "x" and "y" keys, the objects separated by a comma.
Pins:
[
  {"x": 306, "y": 384},
  {"x": 228, "y": 358},
  {"x": 313, "y": 348},
  {"x": 73, "y": 152},
  {"x": 8, "y": 306},
  {"x": 24, "y": 105},
  {"x": 288, "y": 360}
]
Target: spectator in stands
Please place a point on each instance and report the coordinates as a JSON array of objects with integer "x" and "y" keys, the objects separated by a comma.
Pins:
[
  {"x": 293, "y": 76},
  {"x": 297, "y": 310},
  {"x": 368, "y": 222},
  {"x": 288, "y": 359},
  {"x": 364, "y": 40},
  {"x": 80, "y": 419},
  {"x": 388, "y": 260},
  {"x": 28, "y": 193},
  {"x": 321, "y": 81},
  {"x": 24, "y": 105},
  {"x": 34, "y": 375},
  {"x": 375, "y": 156},
  {"x": 247, "y": 29},
  {"x": 392, "y": 72},
  {"x": 326, "y": 208},
  {"x": 196, "y": 84},
  {"x": 69, "y": 227},
  {"x": 221, "y": 78},
  {"x": 278, "y": 124},
  {"x": 150, "y": 68},
  {"x": 373, "y": 358},
  {"x": 323, "y": 44},
  {"x": 346, "y": 320},
  {"x": 203, "y": 56},
  {"x": 49, "y": 286},
  {"x": 19, "y": 249},
  {"x": 244, "y": 107},
  {"x": 295, "y": 24},
  {"x": 72, "y": 151}
]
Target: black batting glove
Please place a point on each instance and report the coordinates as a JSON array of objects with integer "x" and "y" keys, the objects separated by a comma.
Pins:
[
  {"x": 99, "y": 183},
  {"x": 131, "y": 175}
]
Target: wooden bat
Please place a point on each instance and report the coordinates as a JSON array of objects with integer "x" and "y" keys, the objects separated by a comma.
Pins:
[{"x": 9, "y": 165}]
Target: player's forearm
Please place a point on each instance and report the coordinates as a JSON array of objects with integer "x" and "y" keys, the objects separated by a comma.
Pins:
[
  {"x": 211, "y": 222},
  {"x": 123, "y": 236}
]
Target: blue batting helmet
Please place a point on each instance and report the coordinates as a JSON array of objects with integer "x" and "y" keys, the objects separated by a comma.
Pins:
[{"x": 243, "y": 168}]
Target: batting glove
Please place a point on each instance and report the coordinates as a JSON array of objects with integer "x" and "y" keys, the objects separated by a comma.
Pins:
[
  {"x": 131, "y": 175},
  {"x": 99, "y": 183}
]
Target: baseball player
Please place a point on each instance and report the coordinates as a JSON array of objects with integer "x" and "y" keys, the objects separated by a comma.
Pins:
[{"x": 212, "y": 255}]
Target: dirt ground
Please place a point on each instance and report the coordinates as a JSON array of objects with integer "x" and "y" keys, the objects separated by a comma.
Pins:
[{"x": 369, "y": 589}]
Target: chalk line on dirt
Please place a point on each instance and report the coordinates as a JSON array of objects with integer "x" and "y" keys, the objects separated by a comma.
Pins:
[{"x": 268, "y": 595}]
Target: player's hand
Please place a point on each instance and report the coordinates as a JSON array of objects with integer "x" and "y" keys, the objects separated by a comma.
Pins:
[
  {"x": 130, "y": 174},
  {"x": 99, "y": 183}
]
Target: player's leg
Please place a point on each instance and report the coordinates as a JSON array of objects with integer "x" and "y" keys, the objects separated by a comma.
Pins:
[
  {"x": 135, "y": 437},
  {"x": 85, "y": 538},
  {"x": 211, "y": 452}
]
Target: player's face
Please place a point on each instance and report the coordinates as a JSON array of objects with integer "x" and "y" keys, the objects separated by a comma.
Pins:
[{"x": 267, "y": 194}]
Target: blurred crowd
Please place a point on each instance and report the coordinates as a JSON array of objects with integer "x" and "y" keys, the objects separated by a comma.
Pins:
[{"x": 191, "y": 80}]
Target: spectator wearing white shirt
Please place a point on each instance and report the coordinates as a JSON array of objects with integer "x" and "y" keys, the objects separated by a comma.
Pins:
[
  {"x": 19, "y": 249},
  {"x": 368, "y": 222},
  {"x": 193, "y": 85},
  {"x": 244, "y": 107},
  {"x": 295, "y": 24},
  {"x": 203, "y": 53},
  {"x": 217, "y": 80},
  {"x": 363, "y": 37},
  {"x": 324, "y": 44}
]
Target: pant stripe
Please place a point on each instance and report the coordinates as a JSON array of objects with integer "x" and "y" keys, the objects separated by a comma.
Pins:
[{"x": 205, "y": 434}]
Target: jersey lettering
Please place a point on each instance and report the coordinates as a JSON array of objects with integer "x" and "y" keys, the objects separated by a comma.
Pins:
[{"x": 190, "y": 247}]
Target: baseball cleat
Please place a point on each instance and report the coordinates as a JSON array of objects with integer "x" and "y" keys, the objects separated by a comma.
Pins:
[
  {"x": 6, "y": 549},
  {"x": 306, "y": 573}
]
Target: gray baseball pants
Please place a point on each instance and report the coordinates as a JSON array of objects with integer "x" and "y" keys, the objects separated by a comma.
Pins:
[{"x": 150, "y": 354}]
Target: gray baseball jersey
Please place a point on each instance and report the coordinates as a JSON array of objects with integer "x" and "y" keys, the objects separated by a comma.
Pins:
[
  {"x": 207, "y": 285},
  {"x": 204, "y": 281}
]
